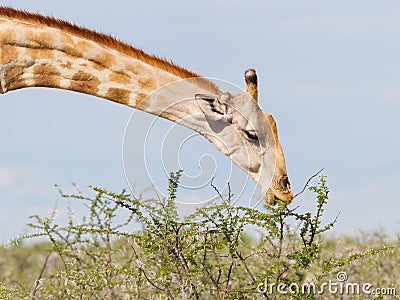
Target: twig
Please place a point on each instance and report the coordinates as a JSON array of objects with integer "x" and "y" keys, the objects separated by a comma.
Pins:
[
  {"x": 37, "y": 282},
  {"x": 147, "y": 278},
  {"x": 181, "y": 258},
  {"x": 151, "y": 282},
  {"x": 228, "y": 277},
  {"x": 230, "y": 195},
  {"x": 215, "y": 282},
  {"x": 216, "y": 189},
  {"x": 243, "y": 260},
  {"x": 109, "y": 273},
  {"x": 308, "y": 181}
]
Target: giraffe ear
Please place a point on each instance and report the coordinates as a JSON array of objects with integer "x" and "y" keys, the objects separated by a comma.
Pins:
[{"x": 213, "y": 108}]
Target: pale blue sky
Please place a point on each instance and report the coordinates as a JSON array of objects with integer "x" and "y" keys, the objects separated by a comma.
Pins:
[{"x": 329, "y": 71}]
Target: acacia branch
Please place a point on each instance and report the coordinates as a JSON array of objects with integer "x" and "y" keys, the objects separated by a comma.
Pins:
[
  {"x": 216, "y": 189},
  {"x": 308, "y": 181},
  {"x": 204, "y": 263},
  {"x": 37, "y": 282}
]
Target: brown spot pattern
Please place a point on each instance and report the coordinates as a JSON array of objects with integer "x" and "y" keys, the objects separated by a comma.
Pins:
[
  {"x": 46, "y": 76},
  {"x": 83, "y": 46},
  {"x": 118, "y": 95},
  {"x": 134, "y": 68},
  {"x": 13, "y": 78},
  {"x": 139, "y": 98},
  {"x": 96, "y": 66},
  {"x": 67, "y": 39},
  {"x": 8, "y": 54},
  {"x": 39, "y": 53},
  {"x": 85, "y": 83},
  {"x": 7, "y": 36},
  {"x": 120, "y": 77},
  {"x": 148, "y": 84},
  {"x": 39, "y": 39},
  {"x": 69, "y": 46},
  {"x": 40, "y": 45},
  {"x": 105, "y": 60},
  {"x": 168, "y": 116},
  {"x": 67, "y": 65}
]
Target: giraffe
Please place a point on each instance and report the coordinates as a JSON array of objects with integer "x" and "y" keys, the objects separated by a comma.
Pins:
[{"x": 42, "y": 51}]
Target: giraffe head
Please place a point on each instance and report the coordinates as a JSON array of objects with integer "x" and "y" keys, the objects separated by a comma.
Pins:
[{"x": 254, "y": 146}]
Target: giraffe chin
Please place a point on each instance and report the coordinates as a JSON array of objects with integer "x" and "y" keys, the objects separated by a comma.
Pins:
[{"x": 272, "y": 197}]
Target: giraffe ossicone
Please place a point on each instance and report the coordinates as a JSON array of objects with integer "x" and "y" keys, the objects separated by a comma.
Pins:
[{"x": 41, "y": 51}]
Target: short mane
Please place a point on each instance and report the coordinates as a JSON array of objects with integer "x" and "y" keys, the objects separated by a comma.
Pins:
[{"x": 107, "y": 41}]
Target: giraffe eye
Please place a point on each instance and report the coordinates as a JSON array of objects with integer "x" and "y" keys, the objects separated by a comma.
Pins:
[{"x": 251, "y": 135}]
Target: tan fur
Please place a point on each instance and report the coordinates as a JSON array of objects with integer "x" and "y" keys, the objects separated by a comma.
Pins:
[
  {"x": 85, "y": 83},
  {"x": 8, "y": 54},
  {"x": 252, "y": 90},
  {"x": 119, "y": 95},
  {"x": 139, "y": 98},
  {"x": 39, "y": 53},
  {"x": 39, "y": 39},
  {"x": 47, "y": 76},
  {"x": 14, "y": 78},
  {"x": 104, "y": 59},
  {"x": 120, "y": 77},
  {"x": 8, "y": 36},
  {"x": 67, "y": 65},
  {"x": 133, "y": 68},
  {"x": 148, "y": 83}
]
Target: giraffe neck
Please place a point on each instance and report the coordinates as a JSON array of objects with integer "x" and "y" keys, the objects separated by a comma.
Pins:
[{"x": 36, "y": 54}]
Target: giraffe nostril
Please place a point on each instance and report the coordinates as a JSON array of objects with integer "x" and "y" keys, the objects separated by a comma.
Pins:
[{"x": 284, "y": 182}]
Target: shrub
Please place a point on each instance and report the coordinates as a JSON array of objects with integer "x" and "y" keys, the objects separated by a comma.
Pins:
[{"x": 210, "y": 254}]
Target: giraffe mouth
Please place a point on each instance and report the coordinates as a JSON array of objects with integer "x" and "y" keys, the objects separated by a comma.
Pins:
[{"x": 272, "y": 197}]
